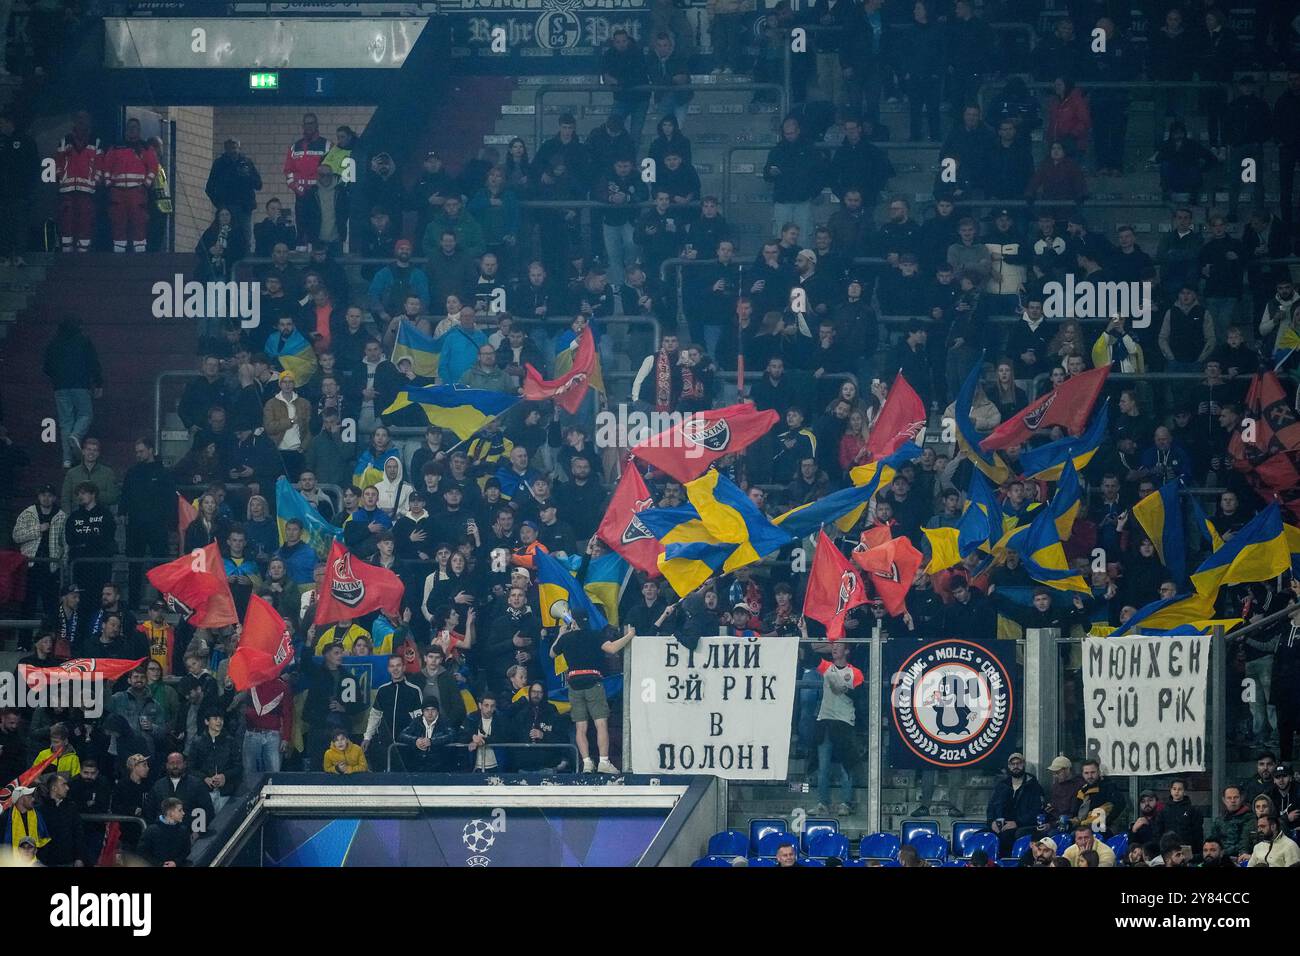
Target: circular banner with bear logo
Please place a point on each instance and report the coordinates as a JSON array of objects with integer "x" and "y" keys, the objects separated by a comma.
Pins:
[{"x": 952, "y": 703}]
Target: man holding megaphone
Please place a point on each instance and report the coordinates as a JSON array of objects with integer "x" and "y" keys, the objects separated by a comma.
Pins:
[{"x": 584, "y": 652}]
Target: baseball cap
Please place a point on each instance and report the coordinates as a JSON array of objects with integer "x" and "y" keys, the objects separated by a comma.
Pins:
[
  {"x": 807, "y": 254},
  {"x": 1060, "y": 763},
  {"x": 135, "y": 760},
  {"x": 1047, "y": 841},
  {"x": 529, "y": 523},
  {"x": 1015, "y": 755},
  {"x": 742, "y": 606},
  {"x": 27, "y": 841},
  {"x": 1147, "y": 793},
  {"x": 1282, "y": 770},
  {"x": 71, "y": 589},
  {"x": 46, "y": 489},
  {"x": 21, "y": 792},
  {"x": 1004, "y": 212}
]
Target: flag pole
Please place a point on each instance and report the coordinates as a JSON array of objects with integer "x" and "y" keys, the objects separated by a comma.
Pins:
[{"x": 484, "y": 425}]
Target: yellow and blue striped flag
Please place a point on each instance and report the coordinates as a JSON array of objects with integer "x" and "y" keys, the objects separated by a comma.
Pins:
[
  {"x": 732, "y": 518},
  {"x": 1168, "y": 613},
  {"x": 976, "y": 529},
  {"x": 604, "y": 581},
  {"x": 1039, "y": 542},
  {"x": 1257, "y": 552},
  {"x": 1046, "y": 461},
  {"x": 968, "y": 439},
  {"x": 555, "y": 583},
  {"x": 458, "y": 408},
  {"x": 316, "y": 531},
  {"x": 295, "y": 354},
  {"x": 845, "y": 506},
  {"x": 421, "y": 349},
  {"x": 1161, "y": 516},
  {"x": 369, "y": 469}
]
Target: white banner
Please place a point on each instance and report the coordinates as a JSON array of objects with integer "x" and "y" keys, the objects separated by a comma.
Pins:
[
  {"x": 723, "y": 709},
  {"x": 1144, "y": 703}
]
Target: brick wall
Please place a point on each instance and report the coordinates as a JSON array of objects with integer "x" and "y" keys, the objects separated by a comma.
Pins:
[
  {"x": 266, "y": 132},
  {"x": 194, "y": 155}
]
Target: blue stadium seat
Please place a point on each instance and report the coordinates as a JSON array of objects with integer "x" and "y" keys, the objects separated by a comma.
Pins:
[
  {"x": 773, "y": 841},
  {"x": 861, "y": 863},
  {"x": 809, "y": 861},
  {"x": 829, "y": 844},
  {"x": 961, "y": 829},
  {"x": 978, "y": 840},
  {"x": 1063, "y": 841},
  {"x": 1021, "y": 846},
  {"x": 729, "y": 843},
  {"x": 1119, "y": 844},
  {"x": 814, "y": 828},
  {"x": 761, "y": 861},
  {"x": 930, "y": 846},
  {"x": 879, "y": 846},
  {"x": 759, "y": 828},
  {"x": 891, "y": 863},
  {"x": 1008, "y": 862},
  {"x": 712, "y": 861},
  {"x": 954, "y": 863},
  {"x": 912, "y": 827}
]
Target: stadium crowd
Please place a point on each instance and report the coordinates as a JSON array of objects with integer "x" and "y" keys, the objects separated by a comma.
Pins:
[{"x": 823, "y": 317}]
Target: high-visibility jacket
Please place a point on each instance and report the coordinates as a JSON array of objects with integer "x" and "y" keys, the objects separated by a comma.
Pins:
[
  {"x": 130, "y": 166},
  {"x": 300, "y": 163},
  {"x": 78, "y": 166}
]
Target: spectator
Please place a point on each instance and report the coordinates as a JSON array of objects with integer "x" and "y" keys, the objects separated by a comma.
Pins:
[
  {"x": 1086, "y": 841},
  {"x": 1274, "y": 848},
  {"x": 71, "y": 363},
  {"x": 233, "y": 183},
  {"x": 301, "y": 163},
  {"x": 795, "y": 170},
  {"x": 166, "y": 842}
]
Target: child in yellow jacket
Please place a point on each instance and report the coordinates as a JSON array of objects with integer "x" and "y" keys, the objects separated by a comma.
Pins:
[{"x": 343, "y": 756}]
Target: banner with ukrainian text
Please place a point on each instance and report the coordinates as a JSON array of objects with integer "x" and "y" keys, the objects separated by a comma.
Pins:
[{"x": 723, "y": 709}]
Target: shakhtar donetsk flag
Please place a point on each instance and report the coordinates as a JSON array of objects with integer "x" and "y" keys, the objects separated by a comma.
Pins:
[
  {"x": 686, "y": 450},
  {"x": 623, "y": 531},
  {"x": 109, "y": 668},
  {"x": 352, "y": 588},
  {"x": 196, "y": 587},
  {"x": 834, "y": 588},
  {"x": 265, "y": 646},
  {"x": 569, "y": 389}
]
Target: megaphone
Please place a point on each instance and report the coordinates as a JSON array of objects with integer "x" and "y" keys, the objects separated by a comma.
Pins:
[{"x": 560, "y": 611}]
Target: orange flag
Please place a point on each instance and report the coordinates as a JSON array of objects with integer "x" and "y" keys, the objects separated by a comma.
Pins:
[
  {"x": 265, "y": 646},
  {"x": 195, "y": 585},
  {"x": 834, "y": 588},
  {"x": 891, "y": 566}
]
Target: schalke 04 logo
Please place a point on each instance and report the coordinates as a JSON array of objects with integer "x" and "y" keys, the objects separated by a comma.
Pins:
[{"x": 952, "y": 703}]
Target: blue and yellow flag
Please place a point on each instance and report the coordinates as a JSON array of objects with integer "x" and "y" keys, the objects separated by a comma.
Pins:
[
  {"x": 369, "y": 469},
  {"x": 1256, "y": 553},
  {"x": 458, "y": 408},
  {"x": 1161, "y": 516},
  {"x": 296, "y": 356},
  {"x": 1203, "y": 526},
  {"x": 555, "y": 583},
  {"x": 604, "y": 581},
  {"x": 1046, "y": 461},
  {"x": 1167, "y": 613},
  {"x": 1292, "y": 534},
  {"x": 732, "y": 518},
  {"x": 316, "y": 531},
  {"x": 845, "y": 506},
  {"x": 968, "y": 439},
  {"x": 1288, "y": 340},
  {"x": 1039, "y": 542},
  {"x": 421, "y": 349},
  {"x": 979, "y": 526},
  {"x": 719, "y": 531}
]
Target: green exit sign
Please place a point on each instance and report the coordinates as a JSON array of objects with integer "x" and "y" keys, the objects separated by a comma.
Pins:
[{"x": 264, "y": 81}]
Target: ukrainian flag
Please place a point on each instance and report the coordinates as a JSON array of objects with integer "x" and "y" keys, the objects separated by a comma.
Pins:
[
  {"x": 844, "y": 507},
  {"x": 1039, "y": 542},
  {"x": 296, "y": 356},
  {"x": 1256, "y": 553},
  {"x": 458, "y": 408},
  {"x": 690, "y": 554},
  {"x": 606, "y": 575},
  {"x": 370, "y": 467},
  {"x": 1287, "y": 342},
  {"x": 1169, "y": 613},
  {"x": 1161, "y": 516},
  {"x": 1292, "y": 534},
  {"x": 421, "y": 349},
  {"x": 968, "y": 439},
  {"x": 731, "y": 518},
  {"x": 975, "y": 530},
  {"x": 316, "y": 531},
  {"x": 1047, "y": 461},
  {"x": 1203, "y": 526},
  {"x": 555, "y": 583}
]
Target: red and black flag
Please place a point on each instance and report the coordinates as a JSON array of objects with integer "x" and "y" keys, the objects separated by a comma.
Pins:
[
  {"x": 623, "y": 531},
  {"x": 352, "y": 588},
  {"x": 834, "y": 588},
  {"x": 1270, "y": 460}
]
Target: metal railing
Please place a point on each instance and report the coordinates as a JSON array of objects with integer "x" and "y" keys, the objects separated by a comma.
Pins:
[
  {"x": 398, "y": 746},
  {"x": 541, "y": 93}
]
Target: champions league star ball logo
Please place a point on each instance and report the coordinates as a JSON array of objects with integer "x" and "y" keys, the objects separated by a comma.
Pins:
[
  {"x": 478, "y": 838},
  {"x": 952, "y": 703},
  {"x": 346, "y": 586}
]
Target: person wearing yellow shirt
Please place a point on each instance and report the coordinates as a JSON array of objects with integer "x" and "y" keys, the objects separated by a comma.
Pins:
[
  {"x": 343, "y": 756},
  {"x": 68, "y": 762},
  {"x": 1085, "y": 839},
  {"x": 345, "y": 632}
]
